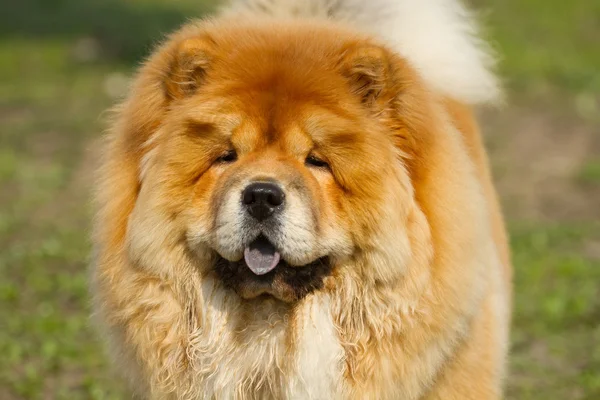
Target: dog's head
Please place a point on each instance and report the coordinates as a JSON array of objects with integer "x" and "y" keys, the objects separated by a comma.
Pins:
[{"x": 272, "y": 157}]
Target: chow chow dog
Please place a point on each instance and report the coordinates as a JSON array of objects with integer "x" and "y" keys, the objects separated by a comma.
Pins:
[{"x": 294, "y": 202}]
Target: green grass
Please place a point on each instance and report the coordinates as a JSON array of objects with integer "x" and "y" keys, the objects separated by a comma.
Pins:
[
  {"x": 52, "y": 97},
  {"x": 546, "y": 45},
  {"x": 49, "y": 107},
  {"x": 557, "y": 312},
  {"x": 590, "y": 172}
]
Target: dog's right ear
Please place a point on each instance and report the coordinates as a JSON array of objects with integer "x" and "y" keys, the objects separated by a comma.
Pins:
[
  {"x": 367, "y": 69},
  {"x": 191, "y": 59}
]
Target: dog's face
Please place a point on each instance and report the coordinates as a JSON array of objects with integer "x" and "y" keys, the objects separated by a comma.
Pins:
[{"x": 273, "y": 161}]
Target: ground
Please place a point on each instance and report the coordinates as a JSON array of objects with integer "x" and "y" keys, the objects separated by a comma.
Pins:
[{"x": 63, "y": 62}]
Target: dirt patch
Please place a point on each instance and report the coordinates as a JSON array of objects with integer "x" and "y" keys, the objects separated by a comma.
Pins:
[
  {"x": 592, "y": 249},
  {"x": 536, "y": 156}
]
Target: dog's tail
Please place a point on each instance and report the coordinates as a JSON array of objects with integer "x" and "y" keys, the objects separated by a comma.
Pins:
[{"x": 438, "y": 37}]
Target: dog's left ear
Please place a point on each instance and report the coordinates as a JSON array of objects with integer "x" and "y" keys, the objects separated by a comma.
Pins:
[{"x": 367, "y": 69}]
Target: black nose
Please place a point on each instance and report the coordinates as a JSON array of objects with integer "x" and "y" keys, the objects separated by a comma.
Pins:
[{"x": 262, "y": 199}]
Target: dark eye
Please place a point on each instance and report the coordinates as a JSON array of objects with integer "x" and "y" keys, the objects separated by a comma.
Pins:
[
  {"x": 228, "y": 157},
  {"x": 313, "y": 161}
]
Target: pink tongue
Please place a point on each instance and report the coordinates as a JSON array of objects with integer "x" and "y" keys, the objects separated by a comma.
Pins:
[{"x": 261, "y": 257}]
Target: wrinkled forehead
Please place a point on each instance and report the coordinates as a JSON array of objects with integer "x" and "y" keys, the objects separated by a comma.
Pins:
[{"x": 255, "y": 120}]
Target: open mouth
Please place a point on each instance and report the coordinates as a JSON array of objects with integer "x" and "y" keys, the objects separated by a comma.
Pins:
[
  {"x": 263, "y": 271},
  {"x": 261, "y": 256}
]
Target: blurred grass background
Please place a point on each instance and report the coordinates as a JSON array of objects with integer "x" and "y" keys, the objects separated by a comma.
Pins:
[{"x": 63, "y": 62}]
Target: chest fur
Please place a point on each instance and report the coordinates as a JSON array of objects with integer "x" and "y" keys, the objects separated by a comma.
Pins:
[{"x": 270, "y": 353}]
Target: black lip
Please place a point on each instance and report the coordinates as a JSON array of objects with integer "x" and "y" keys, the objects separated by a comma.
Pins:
[{"x": 284, "y": 281}]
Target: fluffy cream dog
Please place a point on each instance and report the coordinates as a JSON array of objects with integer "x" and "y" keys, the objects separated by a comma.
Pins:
[{"x": 295, "y": 203}]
